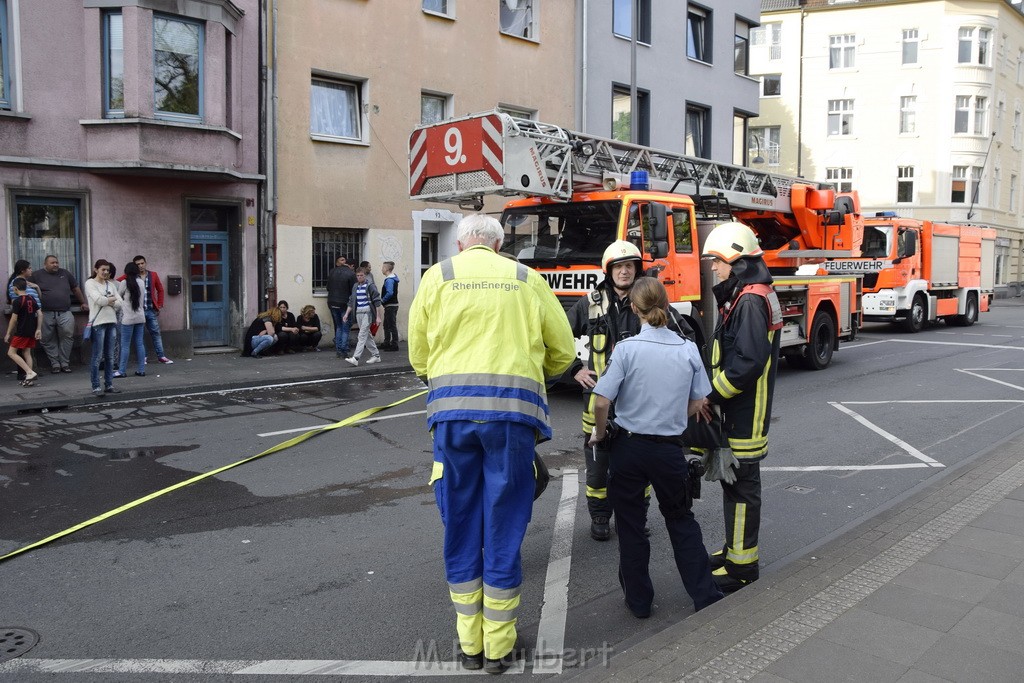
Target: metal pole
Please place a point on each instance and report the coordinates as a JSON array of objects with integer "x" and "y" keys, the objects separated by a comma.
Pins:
[{"x": 633, "y": 125}]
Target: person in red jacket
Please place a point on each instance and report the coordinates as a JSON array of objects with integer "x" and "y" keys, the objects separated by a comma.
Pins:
[{"x": 154, "y": 302}]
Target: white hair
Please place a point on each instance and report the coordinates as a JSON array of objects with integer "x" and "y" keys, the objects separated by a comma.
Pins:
[{"x": 478, "y": 228}]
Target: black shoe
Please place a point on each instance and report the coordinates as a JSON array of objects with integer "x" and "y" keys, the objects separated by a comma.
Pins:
[
  {"x": 112, "y": 390},
  {"x": 600, "y": 529},
  {"x": 55, "y": 370},
  {"x": 471, "y": 662},
  {"x": 728, "y": 583},
  {"x": 65, "y": 369},
  {"x": 717, "y": 559},
  {"x": 500, "y": 666},
  {"x": 140, "y": 374}
]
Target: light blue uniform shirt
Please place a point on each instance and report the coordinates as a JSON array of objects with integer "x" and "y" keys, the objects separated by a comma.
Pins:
[{"x": 651, "y": 378}]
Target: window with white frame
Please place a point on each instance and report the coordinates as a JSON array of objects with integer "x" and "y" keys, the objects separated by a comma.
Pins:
[
  {"x": 997, "y": 127},
  {"x": 1001, "y": 53},
  {"x": 519, "y": 18},
  {"x": 698, "y": 33},
  {"x": 970, "y": 114},
  {"x": 698, "y": 136},
  {"x": 433, "y": 107},
  {"x": 1020, "y": 67},
  {"x": 841, "y": 51},
  {"x": 963, "y": 191},
  {"x": 768, "y": 35},
  {"x": 178, "y": 67},
  {"x": 974, "y": 45},
  {"x": 445, "y": 8},
  {"x": 980, "y": 114},
  {"x": 771, "y": 85},
  {"x": 840, "y": 117},
  {"x": 904, "y": 184},
  {"x": 765, "y": 142},
  {"x": 961, "y": 117},
  {"x": 622, "y": 17},
  {"x": 911, "y": 43},
  {"x": 113, "y": 65},
  {"x": 328, "y": 245},
  {"x": 1002, "y": 264},
  {"x": 841, "y": 176},
  {"x": 45, "y": 225},
  {"x": 741, "y": 48},
  {"x": 518, "y": 112},
  {"x": 5, "y": 59},
  {"x": 335, "y": 109},
  {"x": 1018, "y": 133},
  {"x": 1013, "y": 193},
  {"x": 997, "y": 180},
  {"x": 908, "y": 114}
]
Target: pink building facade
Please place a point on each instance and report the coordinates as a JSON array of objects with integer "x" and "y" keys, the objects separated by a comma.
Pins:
[{"x": 132, "y": 127}]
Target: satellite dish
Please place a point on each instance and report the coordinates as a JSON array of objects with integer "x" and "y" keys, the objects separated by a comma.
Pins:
[{"x": 513, "y": 5}]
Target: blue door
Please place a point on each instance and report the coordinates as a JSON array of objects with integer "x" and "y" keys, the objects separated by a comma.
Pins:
[{"x": 208, "y": 274}]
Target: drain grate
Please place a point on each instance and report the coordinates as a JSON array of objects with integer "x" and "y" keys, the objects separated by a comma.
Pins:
[{"x": 15, "y": 641}]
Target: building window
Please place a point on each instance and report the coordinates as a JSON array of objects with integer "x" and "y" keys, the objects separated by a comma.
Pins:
[
  {"x": 961, "y": 191},
  {"x": 335, "y": 109},
  {"x": 1020, "y": 67},
  {"x": 911, "y": 41},
  {"x": 769, "y": 35},
  {"x": 518, "y": 112},
  {"x": 519, "y": 18},
  {"x": 1013, "y": 193},
  {"x": 622, "y": 116},
  {"x": 1002, "y": 264},
  {"x": 1018, "y": 134},
  {"x": 904, "y": 184},
  {"x": 841, "y": 50},
  {"x": 908, "y": 114},
  {"x": 974, "y": 45},
  {"x": 178, "y": 67},
  {"x": 963, "y": 114},
  {"x": 765, "y": 143},
  {"x": 49, "y": 225},
  {"x": 997, "y": 181},
  {"x": 433, "y": 108},
  {"x": 698, "y": 137},
  {"x": 741, "y": 48},
  {"x": 841, "y": 177},
  {"x": 622, "y": 16},
  {"x": 698, "y": 33},
  {"x": 328, "y": 245},
  {"x": 980, "y": 109},
  {"x": 771, "y": 85},
  {"x": 961, "y": 117},
  {"x": 443, "y": 7},
  {"x": 113, "y": 65},
  {"x": 840, "y": 117},
  {"x": 5, "y": 60}
]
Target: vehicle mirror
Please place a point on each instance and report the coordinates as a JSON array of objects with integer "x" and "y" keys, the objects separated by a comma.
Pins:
[
  {"x": 658, "y": 219},
  {"x": 659, "y": 249}
]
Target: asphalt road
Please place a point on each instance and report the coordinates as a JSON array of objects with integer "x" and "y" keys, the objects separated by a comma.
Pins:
[{"x": 331, "y": 550}]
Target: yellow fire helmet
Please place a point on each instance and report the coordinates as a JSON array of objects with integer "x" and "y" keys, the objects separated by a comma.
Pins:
[
  {"x": 620, "y": 252},
  {"x": 730, "y": 241}
]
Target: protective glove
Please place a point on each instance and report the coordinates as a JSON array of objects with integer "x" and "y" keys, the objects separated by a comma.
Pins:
[{"x": 719, "y": 464}]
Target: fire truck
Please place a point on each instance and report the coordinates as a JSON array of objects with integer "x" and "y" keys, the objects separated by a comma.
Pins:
[
  {"x": 574, "y": 194},
  {"x": 917, "y": 271}
]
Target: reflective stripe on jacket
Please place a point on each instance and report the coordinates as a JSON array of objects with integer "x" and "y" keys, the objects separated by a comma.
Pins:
[{"x": 485, "y": 332}]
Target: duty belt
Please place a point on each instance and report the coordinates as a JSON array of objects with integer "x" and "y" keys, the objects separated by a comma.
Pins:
[{"x": 677, "y": 440}]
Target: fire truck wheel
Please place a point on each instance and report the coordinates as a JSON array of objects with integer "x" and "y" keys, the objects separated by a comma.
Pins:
[
  {"x": 914, "y": 322},
  {"x": 970, "y": 315},
  {"x": 820, "y": 342}
]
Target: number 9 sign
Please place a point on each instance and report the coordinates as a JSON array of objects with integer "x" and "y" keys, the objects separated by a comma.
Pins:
[
  {"x": 453, "y": 145},
  {"x": 463, "y": 146}
]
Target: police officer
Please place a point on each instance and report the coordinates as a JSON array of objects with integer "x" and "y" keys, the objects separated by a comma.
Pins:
[
  {"x": 657, "y": 380},
  {"x": 744, "y": 358},
  {"x": 486, "y": 332}
]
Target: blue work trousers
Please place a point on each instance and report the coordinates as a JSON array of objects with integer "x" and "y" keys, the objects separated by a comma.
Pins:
[{"x": 636, "y": 461}]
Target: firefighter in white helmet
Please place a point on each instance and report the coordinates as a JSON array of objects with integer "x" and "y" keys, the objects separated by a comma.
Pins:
[
  {"x": 604, "y": 317},
  {"x": 744, "y": 358}
]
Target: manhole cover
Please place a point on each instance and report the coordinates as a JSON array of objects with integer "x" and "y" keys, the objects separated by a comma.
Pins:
[
  {"x": 15, "y": 641},
  {"x": 798, "y": 489}
]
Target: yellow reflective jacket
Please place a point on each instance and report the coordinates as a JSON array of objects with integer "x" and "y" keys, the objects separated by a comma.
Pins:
[{"x": 485, "y": 331}]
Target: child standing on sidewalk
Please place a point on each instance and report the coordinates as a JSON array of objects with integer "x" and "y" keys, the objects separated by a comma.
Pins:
[
  {"x": 365, "y": 303},
  {"x": 25, "y": 328}
]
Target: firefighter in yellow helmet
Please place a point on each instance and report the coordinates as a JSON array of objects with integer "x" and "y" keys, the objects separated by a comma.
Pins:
[{"x": 744, "y": 358}]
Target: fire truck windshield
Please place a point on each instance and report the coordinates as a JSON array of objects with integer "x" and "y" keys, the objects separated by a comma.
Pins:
[
  {"x": 560, "y": 233},
  {"x": 877, "y": 241}
]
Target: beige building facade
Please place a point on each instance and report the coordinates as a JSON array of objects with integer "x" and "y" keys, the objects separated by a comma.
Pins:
[
  {"x": 350, "y": 82},
  {"x": 919, "y": 106}
]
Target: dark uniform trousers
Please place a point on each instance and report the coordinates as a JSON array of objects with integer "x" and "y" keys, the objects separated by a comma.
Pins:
[
  {"x": 742, "y": 502},
  {"x": 636, "y": 461}
]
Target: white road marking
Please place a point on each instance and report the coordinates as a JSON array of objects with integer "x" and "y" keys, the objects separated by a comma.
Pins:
[
  {"x": 291, "y": 667},
  {"x": 848, "y": 468},
  {"x": 991, "y": 379},
  {"x": 550, "y": 645},
  {"x": 942, "y": 343},
  {"x": 369, "y": 419},
  {"x": 937, "y": 400},
  {"x": 887, "y": 436},
  {"x": 280, "y": 385}
]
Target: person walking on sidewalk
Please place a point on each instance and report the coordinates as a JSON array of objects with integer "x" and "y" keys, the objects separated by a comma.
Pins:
[
  {"x": 389, "y": 297},
  {"x": 56, "y": 286},
  {"x": 365, "y": 303},
  {"x": 132, "y": 288},
  {"x": 657, "y": 380},
  {"x": 104, "y": 301},
  {"x": 340, "y": 282},
  {"x": 24, "y": 330},
  {"x": 744, "y": 359},
  {"x": 154, "y": 303},
  {"x": 485, "y": 332}
]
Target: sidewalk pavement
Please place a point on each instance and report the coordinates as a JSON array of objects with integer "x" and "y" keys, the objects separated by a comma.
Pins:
[
  {"x": 929, "y": 590},
  {"x": 201, "y": 372}
]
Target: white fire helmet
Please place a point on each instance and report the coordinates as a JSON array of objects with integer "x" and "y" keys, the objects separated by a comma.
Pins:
[
  {"x": 620, "y": 252},
  {"x": 730, "y": 241}
]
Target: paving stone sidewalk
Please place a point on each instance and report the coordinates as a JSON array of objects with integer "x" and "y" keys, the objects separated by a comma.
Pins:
[{"x": 931, "y": 590}]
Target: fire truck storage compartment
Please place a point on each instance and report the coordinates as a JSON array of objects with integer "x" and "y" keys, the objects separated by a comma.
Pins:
[{"x": 945, "y": 260}]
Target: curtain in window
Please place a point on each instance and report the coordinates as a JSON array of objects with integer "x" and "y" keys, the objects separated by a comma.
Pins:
[
  {"x": 45, "y": 229},
  {"x": 115, "y": 62},
  {"x": 517, "y": 21},
  {"x": 695, "y": 133},
  {"x": 334, "y": 110},
  {"x": 176, "y": 65}
]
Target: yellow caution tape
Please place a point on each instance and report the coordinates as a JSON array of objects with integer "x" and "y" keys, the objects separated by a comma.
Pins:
[{"x": 156, "y": 494}]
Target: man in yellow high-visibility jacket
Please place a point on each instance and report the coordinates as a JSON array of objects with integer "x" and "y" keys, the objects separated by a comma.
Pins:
[{"x": 485, "y": 332}]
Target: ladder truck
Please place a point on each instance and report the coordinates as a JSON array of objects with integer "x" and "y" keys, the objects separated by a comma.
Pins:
[{"x": 573, "y": 194}]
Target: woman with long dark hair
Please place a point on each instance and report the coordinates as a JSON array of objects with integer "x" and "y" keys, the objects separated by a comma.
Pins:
[
  {"x": 104, "y": 302},
  {"x": 133, "y": 320}
]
